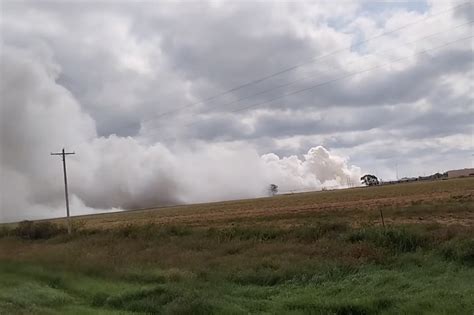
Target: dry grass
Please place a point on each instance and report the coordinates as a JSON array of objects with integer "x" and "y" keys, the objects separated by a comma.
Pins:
[{"x": 321, "y": 252}]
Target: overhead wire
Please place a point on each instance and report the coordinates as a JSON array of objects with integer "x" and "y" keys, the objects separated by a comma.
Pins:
[
  {"x": 306, "y": 77},
  {"x": 318, "y": 58},
  {"x": 346, "y": 76},
  {"x": 313, "y": 60},
  {"x": 302, "y": 79},
  {"x": 350, "y": 75}
]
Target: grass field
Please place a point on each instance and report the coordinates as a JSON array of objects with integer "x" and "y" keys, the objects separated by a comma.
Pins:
[{"x": 311, "y": 253}]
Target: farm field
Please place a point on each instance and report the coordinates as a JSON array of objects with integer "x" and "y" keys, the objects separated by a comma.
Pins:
[{"x": 311, "y": 253}]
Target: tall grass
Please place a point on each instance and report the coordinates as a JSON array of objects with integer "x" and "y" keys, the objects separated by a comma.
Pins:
[
  {"x": 333, "y": 261},
  {"x": 460, "y": 250},
  {"x": 396, "y": 239}
]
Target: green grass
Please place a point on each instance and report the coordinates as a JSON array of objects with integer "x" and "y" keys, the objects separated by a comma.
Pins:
[
  {"x": 397, "y": 239},
  {"x": 403, "y": 269},
  {"x": 338, "y": 260},
  {"x": 415, "y": 284}
]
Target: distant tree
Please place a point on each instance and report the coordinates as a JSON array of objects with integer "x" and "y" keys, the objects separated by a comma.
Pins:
[
  {"x": 273, "y": 189},
  {"x": 370, "y": 180}
]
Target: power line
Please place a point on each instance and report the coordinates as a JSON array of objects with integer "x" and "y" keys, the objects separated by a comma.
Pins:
[
  {"x": 291, "y": 68},
  {"x": 346, "y": 76},
  {"x": 352, "y": 62},
  {"x": 306, "y": 77},
  {"x": 302, "y": 79}
]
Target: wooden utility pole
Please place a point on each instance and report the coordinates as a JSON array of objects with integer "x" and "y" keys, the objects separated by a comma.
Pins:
[{"x": 63, "y": 154}]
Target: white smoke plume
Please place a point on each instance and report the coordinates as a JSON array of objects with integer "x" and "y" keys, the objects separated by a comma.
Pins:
[{"x": 39, "y": 116}]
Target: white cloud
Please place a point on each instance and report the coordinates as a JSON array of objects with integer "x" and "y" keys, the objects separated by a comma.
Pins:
[
  {"x": 120, "y": 172},
  {"x": 97, "y": 78}
]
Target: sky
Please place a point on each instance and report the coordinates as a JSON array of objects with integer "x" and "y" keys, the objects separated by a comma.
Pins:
[{"x": 193, "y": 101}]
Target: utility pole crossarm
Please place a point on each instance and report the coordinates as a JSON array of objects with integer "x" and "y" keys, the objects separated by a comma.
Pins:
[{"x": 63, "y": 154}]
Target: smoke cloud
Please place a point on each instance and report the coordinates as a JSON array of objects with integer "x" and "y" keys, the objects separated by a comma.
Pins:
[{"x": 38, "y": 116}]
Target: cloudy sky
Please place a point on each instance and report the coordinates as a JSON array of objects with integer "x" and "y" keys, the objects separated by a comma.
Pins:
[{"x": 176, "y": 102}]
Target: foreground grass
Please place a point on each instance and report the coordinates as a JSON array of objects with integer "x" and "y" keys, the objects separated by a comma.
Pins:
[
  {"x": 421, "y": 285},
  {"x": 322, "y": 269},
  {"x": 295, "y": 262}
]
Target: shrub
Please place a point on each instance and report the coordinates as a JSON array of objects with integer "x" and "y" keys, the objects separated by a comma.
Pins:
[{"x": 38, "y": 230}]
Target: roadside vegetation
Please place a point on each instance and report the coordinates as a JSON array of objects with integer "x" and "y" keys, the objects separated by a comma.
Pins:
[{"x": 327, "y": 257}]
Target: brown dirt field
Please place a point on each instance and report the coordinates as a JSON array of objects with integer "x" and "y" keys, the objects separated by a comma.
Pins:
[{"x": 439, "y": 201}]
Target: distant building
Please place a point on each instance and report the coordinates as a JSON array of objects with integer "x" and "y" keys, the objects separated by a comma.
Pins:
[{"x": 461, "y": 173}]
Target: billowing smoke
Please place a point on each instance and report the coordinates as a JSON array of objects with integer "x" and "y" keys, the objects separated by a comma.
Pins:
[{"x": 38, "y": 116}]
